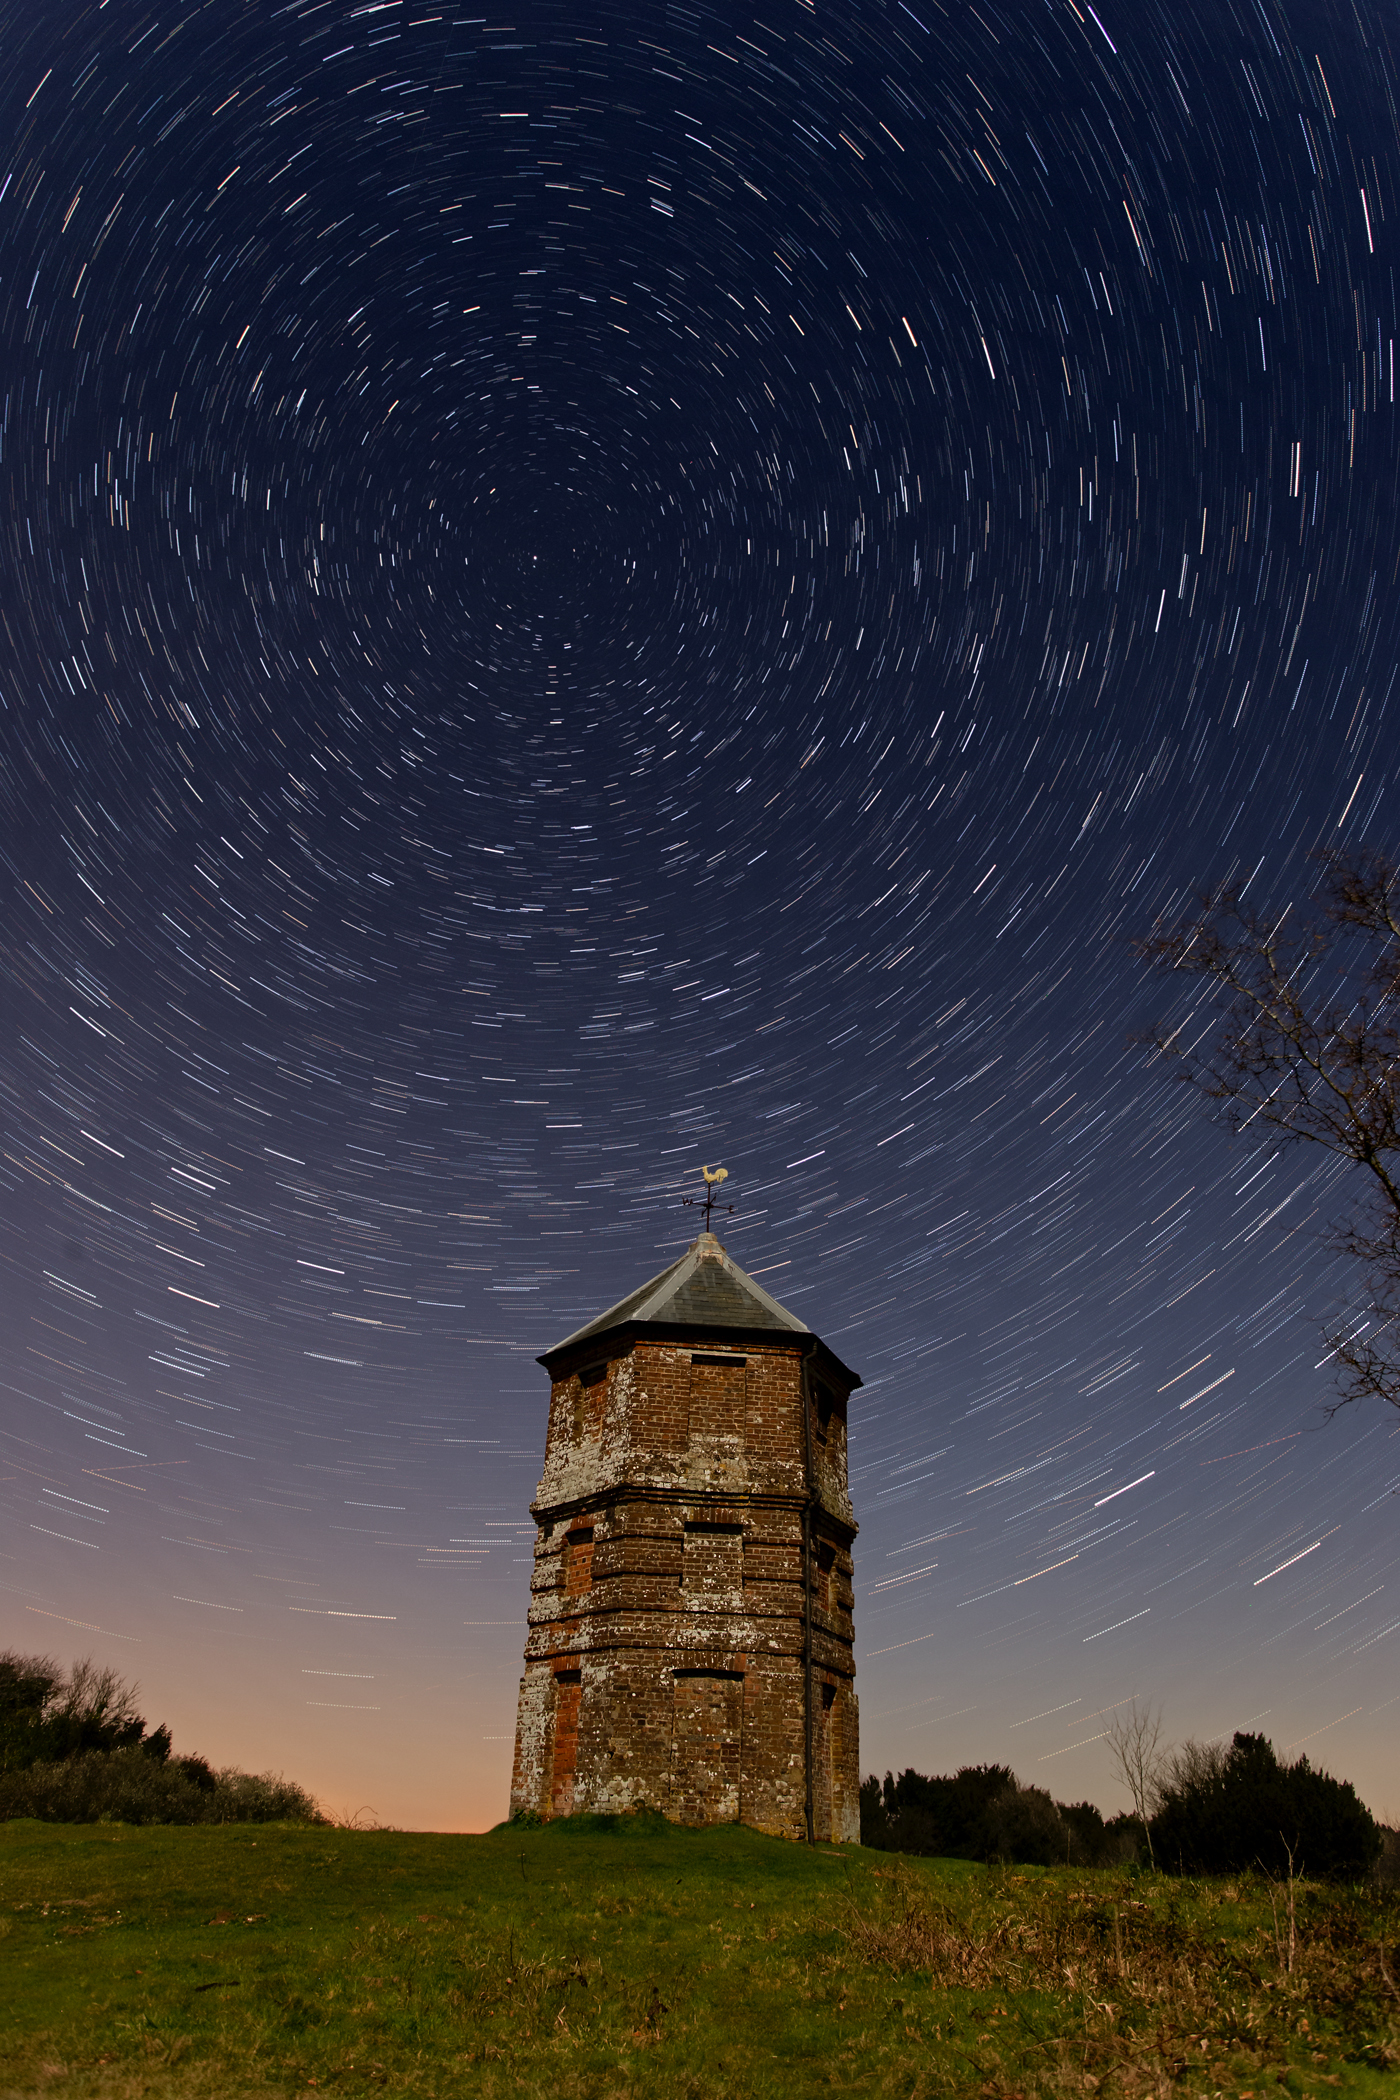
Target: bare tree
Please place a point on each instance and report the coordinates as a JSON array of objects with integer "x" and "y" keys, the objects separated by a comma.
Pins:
[
  {"x": 96, "y": 1693},
  {"x": 1192, "y": 1766},
  {"x": 1134, "y": 1741},
  {"x": 1304, "y": 1042}
]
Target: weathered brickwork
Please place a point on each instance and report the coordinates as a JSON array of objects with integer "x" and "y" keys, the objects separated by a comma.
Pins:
[{"x": 690, "y": 1614}]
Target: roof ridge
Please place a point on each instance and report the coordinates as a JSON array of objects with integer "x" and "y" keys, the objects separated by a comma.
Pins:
[{"x": 720, "y": 1295}]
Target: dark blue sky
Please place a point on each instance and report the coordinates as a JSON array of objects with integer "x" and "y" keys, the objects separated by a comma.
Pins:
[{"x": 582, "y": 596}]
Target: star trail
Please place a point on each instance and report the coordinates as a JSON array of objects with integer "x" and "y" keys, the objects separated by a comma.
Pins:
[{"x": 586, "y": 594}]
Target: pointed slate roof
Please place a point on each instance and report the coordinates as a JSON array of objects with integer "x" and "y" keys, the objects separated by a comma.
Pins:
[{"x": 705, "y": 1292}]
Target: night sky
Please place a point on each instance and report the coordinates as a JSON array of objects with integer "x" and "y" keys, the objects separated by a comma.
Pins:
[{"x": 582, "y": 594}]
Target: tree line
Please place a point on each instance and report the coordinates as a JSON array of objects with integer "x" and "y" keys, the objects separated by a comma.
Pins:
[
  {"x": 1204, "y": 1808},
  {"x": 74, "y": 1748}
]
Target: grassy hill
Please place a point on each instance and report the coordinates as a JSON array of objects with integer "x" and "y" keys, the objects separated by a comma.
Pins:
[{"x": 587, "y": 1960}]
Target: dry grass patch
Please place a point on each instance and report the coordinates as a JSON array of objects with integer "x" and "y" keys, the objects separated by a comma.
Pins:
[{"x": 1152, "y": 1986}]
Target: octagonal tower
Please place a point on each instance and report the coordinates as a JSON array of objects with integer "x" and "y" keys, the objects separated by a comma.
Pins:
[{"x": 690, "y": 1646}]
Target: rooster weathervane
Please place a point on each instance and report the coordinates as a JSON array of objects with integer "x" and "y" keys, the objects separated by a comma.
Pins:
[{"x": 713, "y": 1177}]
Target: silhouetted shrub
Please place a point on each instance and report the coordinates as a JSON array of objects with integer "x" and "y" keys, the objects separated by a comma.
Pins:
[
  {"x": 73, "y": 1749},
  {"x": 934, "y": 1816},
  {"x": 984, "y": 1812},
  {"x": 1092, "y": 1842},
  {"x": 125, "y": 1786},
  {"x": 1088, "y": 1834},
  {"x": 1225, "y": 1811},
  {"x": 40, "y": 1717},
  {"x": 1023, "y": 1824},
  {"x": 47, "y": 1714}
]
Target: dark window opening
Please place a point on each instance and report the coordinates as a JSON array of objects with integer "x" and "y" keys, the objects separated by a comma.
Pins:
[
  {"x": 568, "y": 1677},
  {"x": 724, "y": 1531},
  {"x": 730, "y": 1676},
  {"x": 582, "y": 1535},
  {"x": 828, "y": 1697},
  {"x": 731, "y": 1363}
]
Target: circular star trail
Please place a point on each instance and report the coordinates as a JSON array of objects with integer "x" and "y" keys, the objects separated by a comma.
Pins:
[{"x": 586, "y": 596}]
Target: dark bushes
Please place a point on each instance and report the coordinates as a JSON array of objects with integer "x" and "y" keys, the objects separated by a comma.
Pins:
[
  {"x": 1223, "y": 1811},
  {"x": 933, "y": 1816},
  {"x": 983, "y": 1812},
  {"x": 1219, "y": 1811},
  {"x": 46, "y": 1715},
  {"x": 125, "y": 1786},
  {"x": 1386, "y": 1871},
  {"x": 73, "y": 1749}
]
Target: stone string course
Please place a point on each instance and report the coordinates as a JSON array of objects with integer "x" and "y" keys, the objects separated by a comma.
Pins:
[{"x": 664, "y": 1662}]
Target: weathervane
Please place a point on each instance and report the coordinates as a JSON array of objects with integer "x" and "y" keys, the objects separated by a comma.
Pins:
[{"x": 713, "y": 1177}]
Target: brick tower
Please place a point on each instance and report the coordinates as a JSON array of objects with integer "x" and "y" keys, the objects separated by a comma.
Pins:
[{"x": 690, "y": 1643}]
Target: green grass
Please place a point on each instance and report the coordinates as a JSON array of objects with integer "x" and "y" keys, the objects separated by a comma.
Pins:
[{"x": 599, "y": 1959}]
